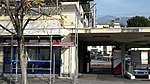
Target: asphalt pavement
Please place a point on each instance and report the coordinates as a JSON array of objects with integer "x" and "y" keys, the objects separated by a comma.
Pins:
[
  {"x": 96, "y": 76},
  {"x": 84, "y": 79}
]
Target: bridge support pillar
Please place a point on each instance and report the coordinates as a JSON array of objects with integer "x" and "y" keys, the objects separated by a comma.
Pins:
[{"x": 123, "y": 52}]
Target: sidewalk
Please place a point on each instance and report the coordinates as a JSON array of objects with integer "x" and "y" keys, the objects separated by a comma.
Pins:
[{"x": 85, "y": 79}]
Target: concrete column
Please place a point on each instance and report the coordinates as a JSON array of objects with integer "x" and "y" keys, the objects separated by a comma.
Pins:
[
  {"x": 74, "y": 61},
  {"x": 65, "y": 63},
  {"x": 122, "y": 58},
  {"x": 148, "y": 57},
  {"x": 67, "y": 55},
  {"x": 1, "y": 59},
  {"x": 69, "y": 61},
  {"x": 81, "y": 54}
]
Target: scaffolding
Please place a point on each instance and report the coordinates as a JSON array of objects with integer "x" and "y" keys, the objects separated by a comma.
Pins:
[
  {"x": 52, "y": 76},
  {"x": 52, "y": 61},
  {"x": 14, "y": 76}
]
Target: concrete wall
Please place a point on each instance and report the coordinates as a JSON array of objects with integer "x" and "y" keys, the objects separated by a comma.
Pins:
[
  {"x": 72, "y": 19},
  {"x": 136, "y": 57},
  {"x": 70, "y": 62},
  {"x": 148, "y": 57},
  {"x": 69, "y": 58},
  {"x": 73, "y": 13}
]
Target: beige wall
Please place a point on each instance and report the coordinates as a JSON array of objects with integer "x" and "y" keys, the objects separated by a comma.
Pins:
[
  {"x": 69, "y": 61},
  {"x": 72, "y": 13},
  {"x": 1, "y": 59},
  {"x": 1, "y": 54}
]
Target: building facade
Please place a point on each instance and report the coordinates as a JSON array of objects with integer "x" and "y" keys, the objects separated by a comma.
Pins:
[
  {"x": 48, "y": 40},
  {"x": 105, "y": 50}
]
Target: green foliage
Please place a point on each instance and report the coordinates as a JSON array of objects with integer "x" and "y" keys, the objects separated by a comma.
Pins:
[{"x": 138, "y": 21}]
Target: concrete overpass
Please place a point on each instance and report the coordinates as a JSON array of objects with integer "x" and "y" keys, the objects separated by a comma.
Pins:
[{"x": 130, "y": 37}]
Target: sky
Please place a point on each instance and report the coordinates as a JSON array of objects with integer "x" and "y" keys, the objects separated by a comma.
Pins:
[{"x": 123, "y": 8}]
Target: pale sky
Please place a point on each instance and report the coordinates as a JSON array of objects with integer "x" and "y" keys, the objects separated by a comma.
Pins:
[{"x": 123, "y": 7}]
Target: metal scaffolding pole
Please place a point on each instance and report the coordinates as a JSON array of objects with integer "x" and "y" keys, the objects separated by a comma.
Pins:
[
  {"x": 11, "y": 55},
  {"x": 76, "y": 49},
  {"x": 16, "y": 61},
  {"x": 51, "y": 50},
  {"x": 57, "y": 6},
  {"x": 54, "y": 66}
]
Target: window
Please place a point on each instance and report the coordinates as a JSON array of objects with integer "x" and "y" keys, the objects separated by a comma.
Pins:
[
  {"x": 33, "y": 53},
  {"x": 44, "y": 53}
]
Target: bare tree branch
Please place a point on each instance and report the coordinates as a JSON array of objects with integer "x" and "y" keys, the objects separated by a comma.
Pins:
[
  {"x": 20, "y": 5},
  {"x": 6, "y": 29},
  {"x": 21, "y": 17},
  {"x": 15, "y": 4},
  {"x": 10, "y": 13},
  {"x": 42, "y": 13},
  {"x": 45, "y": 14},
  {"x": 29, "y": 21}
]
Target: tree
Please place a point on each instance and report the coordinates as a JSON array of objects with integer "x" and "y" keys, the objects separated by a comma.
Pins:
[
  {"x": 18, "y": 10},
  {"x": 138, "y": 21}
]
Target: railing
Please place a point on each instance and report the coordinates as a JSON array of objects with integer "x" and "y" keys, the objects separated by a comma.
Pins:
[
  {"x": 39, "y": 44},
  {"x": 34, "y": 67}
]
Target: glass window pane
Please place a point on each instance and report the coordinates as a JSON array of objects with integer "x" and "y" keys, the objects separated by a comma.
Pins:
[
  {"x": 7, "y": 54},
  {"x": 44, "y": 53},
  {"x": 33, "y": 54}
]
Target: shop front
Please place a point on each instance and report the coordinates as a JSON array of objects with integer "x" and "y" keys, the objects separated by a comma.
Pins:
[{"x": 42, "y": 58}]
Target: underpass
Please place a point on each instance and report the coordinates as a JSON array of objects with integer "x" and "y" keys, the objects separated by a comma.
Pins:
[{"x": 125, "y": 38}]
